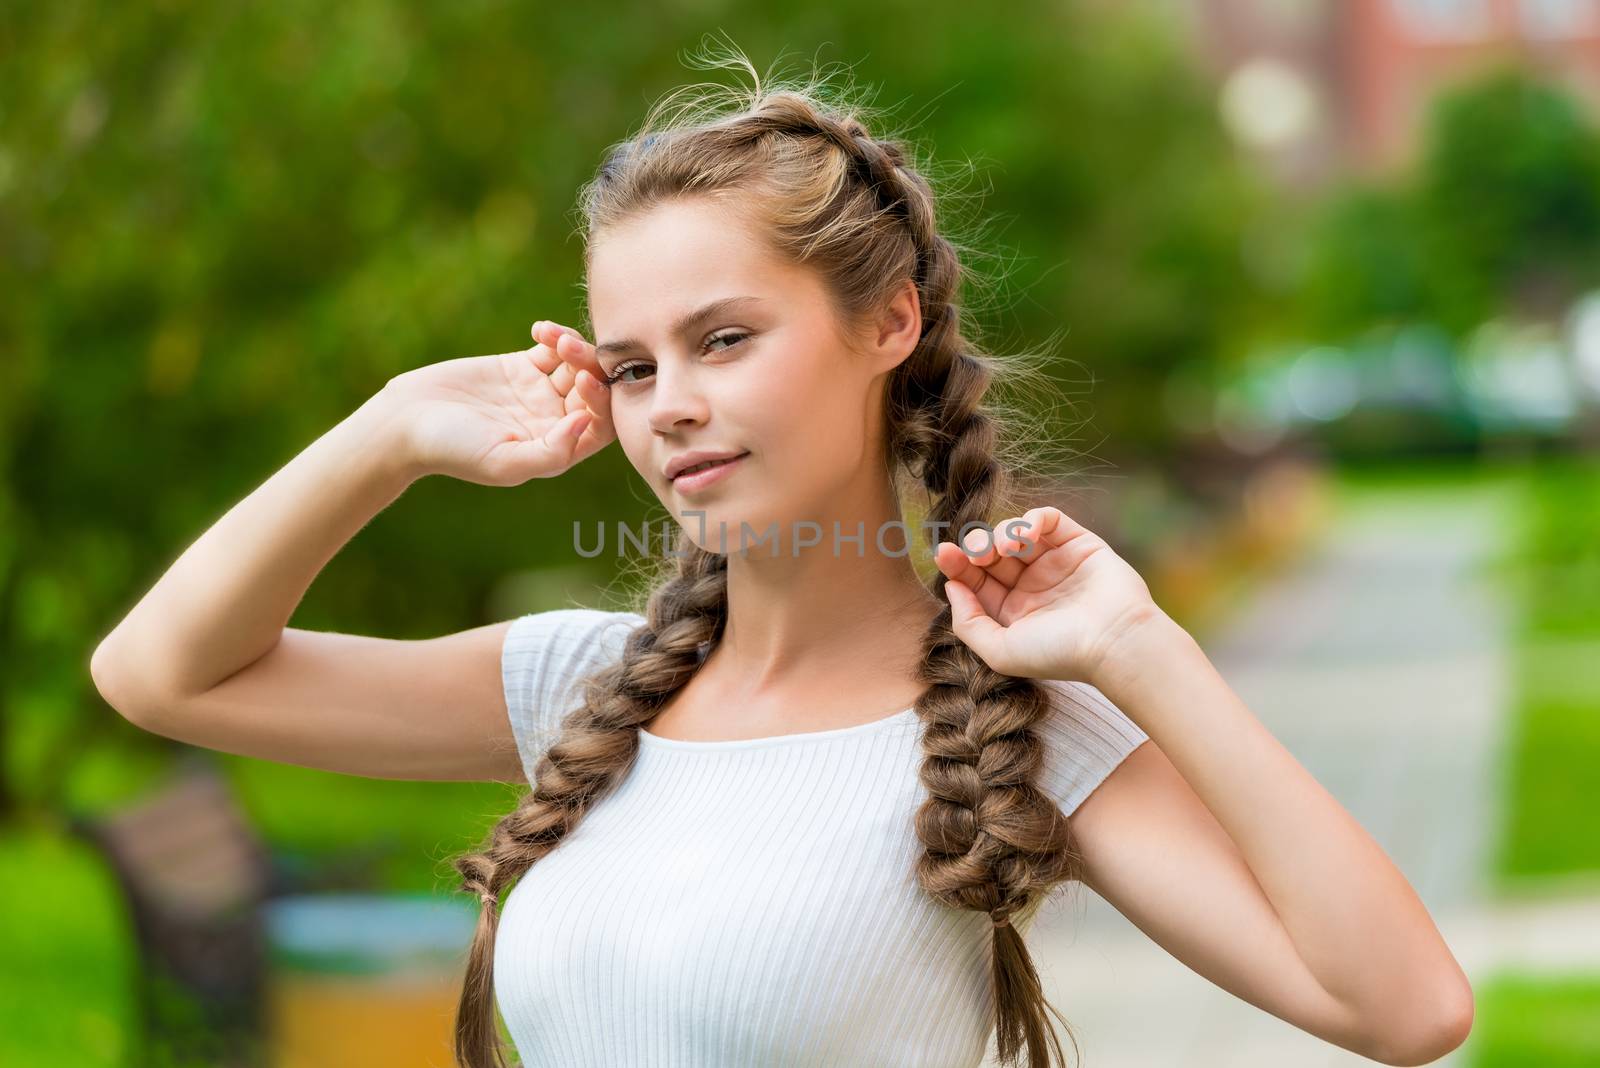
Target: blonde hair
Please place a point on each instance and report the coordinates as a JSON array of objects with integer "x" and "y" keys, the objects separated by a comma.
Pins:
[{"x": 856, "y": 209}]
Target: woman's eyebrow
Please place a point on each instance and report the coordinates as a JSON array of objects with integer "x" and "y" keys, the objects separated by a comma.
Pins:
[{"x": 683, "y": 324}]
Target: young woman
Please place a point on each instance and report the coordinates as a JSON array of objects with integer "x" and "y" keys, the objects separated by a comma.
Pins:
[{"x": 800, "y": 808}]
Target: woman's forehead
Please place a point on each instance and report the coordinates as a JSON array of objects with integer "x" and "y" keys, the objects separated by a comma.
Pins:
[
  {"x": 651, "y": 275},
  {"x": 689, "y": 239}
]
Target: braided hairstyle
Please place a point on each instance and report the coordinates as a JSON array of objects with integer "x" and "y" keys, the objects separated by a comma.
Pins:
[{"x": 830, "y": 195}]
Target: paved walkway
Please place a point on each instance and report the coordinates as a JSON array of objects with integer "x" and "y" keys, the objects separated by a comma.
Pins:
[{"x": 1380, "y": 661}]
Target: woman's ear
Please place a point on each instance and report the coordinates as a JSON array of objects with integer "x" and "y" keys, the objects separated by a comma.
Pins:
[{"x": 899, "y": 327}]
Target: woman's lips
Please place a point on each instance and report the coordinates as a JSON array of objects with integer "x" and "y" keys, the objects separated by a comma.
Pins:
[{"x": 698, "y": 480}]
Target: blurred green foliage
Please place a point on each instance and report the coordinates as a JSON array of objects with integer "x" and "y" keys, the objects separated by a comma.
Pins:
[
  {"x": 1555, "y": 736},
  {"x": 1552, "y": 1021},
  {"x": 223, "y": 226},
  {"x": 1502, "y": 212}
]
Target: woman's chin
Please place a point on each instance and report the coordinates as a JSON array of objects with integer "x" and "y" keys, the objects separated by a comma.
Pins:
[{"x": 728, "y": 530}]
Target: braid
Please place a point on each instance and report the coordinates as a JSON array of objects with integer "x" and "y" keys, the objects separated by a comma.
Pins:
[
  {"x": 994, "y": 841},
  {"x": 594, "y": 751},
  {"x": 830, "y": 195}
]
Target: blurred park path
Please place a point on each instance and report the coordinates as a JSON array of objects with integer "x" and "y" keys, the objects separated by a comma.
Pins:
[{"x": 1381, "y": 660}]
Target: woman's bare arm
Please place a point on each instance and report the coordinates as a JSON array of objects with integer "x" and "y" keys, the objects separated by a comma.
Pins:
[
  {"x": 378, "y": 707},
  {"x": 225, "y": 601},
  {"x": 206, "y": 655}
]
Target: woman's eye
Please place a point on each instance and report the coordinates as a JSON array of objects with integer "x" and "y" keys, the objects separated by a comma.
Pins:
[
  {"x": 732, "y": 338},
  {"x": 616, "y": 376}
]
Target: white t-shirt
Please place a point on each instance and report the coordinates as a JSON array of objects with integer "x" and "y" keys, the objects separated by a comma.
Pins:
[{"x": 750, "y": 902}]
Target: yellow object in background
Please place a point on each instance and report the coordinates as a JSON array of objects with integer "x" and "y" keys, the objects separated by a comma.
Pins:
[
  {"x": 354, "y": 1021},
  {"x": 361, "y": 980}
]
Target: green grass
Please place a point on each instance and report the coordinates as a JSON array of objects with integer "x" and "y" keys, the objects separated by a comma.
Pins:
[
  {"x": 1554, "y": 743},
  {"x": 1548, "y": 828},
  {"x": 65, "y": 983},
  {"x": 1560, "y": 550},
  {"x": 67, "y": 958},
  {"x": 1355, "y": 483},
  {"x": 1535, "y": 1021}
]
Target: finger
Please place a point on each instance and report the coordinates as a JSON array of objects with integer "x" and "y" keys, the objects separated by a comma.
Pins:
[
  {"x": 561, "y": 378},
  {"x": 544, "y": 358},
  {"x": 547, "y": 336},
  {"x": 1050, "y": 527},
  {"x": 985, "y": 548},
  {"x": 577, "y": 351},
  {"x": 547, "y": 330},
  {"x": 562, "y": 438},
  {"x": 971, "y": 623},
  {"x": 1025, "y": 540},
  {"x": 1020, "y": 537},
  {"x": 588, "y": 390},
  {"x": 955, "y": 565},
  {"x": 582, "y": 398},
  {"x": 596, "y": 436},
  {"x": 569, "y": 351},
  {"x": 544, "y": 350},
  {"x": 572, "y": 348},
  {"x": 1056, "y": 541}
]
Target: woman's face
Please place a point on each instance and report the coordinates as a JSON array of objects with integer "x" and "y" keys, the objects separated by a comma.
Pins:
[{"x": 713, "y": 345}]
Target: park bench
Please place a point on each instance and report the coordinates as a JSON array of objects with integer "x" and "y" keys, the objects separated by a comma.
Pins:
[{"x": 196, "y": 876}]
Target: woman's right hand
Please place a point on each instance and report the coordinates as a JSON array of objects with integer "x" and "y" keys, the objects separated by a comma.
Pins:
[{"x": 503, "y": 419}]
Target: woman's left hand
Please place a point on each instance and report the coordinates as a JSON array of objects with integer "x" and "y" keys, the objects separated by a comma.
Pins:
[{"x": 1046, "y": 598}]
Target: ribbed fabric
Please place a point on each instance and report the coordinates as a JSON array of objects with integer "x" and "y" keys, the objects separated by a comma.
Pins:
[{"x": 750, "y": 902}]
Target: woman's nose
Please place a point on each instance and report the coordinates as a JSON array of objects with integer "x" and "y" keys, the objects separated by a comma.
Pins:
[{"x": 675, "y": 399}]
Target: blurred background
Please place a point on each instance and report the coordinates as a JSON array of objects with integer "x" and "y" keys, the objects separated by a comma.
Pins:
[{"x": 1321, "y": 277}]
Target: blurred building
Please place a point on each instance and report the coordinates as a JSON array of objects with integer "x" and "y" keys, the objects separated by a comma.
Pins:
[{"x": 1321, "y": 87}]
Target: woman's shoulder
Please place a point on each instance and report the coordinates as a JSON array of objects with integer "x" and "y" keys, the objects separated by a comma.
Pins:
[
  {"x": 544, "y": 659},
  {"x": 544, "y": 650},
  {"x": 569, "y": 626}
]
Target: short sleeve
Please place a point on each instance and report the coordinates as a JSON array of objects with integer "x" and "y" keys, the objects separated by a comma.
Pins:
[
  {"x": 544, "y": 659},
  {"x": 1086, "y": 737}
]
